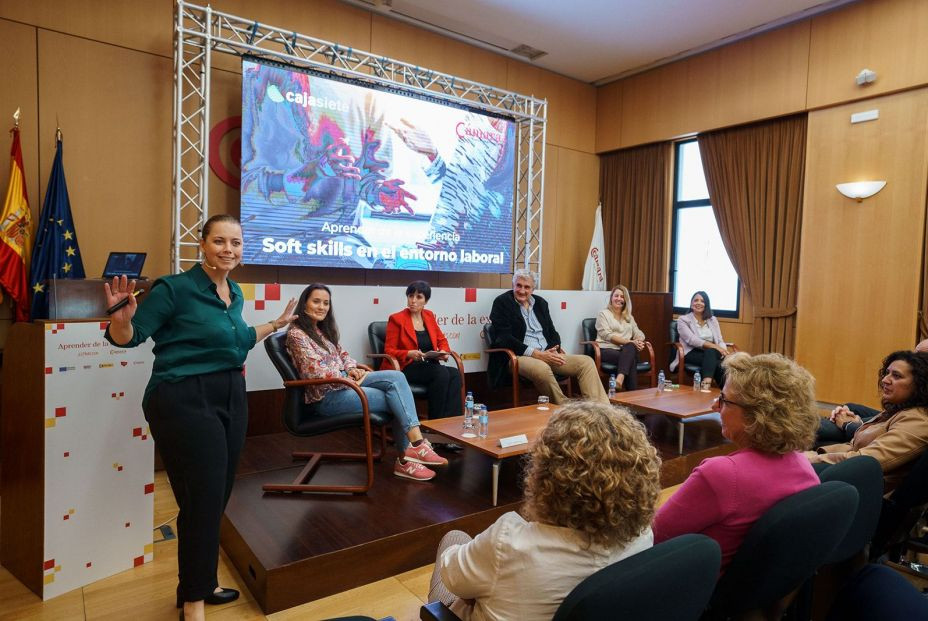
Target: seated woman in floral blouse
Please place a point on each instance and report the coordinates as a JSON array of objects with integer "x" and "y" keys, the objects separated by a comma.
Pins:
[{"x": 313, "y": 345}]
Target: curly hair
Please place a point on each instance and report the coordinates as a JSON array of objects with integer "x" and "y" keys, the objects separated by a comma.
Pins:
[
  {"x": 594, "y": 471},
  {"x": 778, "y": 397},
  {"x": 919, "y": 363}
]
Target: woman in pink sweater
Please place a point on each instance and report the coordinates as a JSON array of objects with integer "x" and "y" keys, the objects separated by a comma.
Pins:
[{"x": 768, "y": 412}]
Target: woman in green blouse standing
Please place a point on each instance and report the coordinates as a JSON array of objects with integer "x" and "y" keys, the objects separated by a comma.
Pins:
[{"x": 195, "y": 401}]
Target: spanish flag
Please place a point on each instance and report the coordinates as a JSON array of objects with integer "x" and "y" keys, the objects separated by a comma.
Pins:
[{"x": 16, "y": 234}]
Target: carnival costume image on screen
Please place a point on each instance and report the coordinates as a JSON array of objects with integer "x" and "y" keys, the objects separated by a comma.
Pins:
[{"x": 340, "y": 175}]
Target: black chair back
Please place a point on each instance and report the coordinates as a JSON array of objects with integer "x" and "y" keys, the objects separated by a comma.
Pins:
[
  {"x": 588, "y": 327},
  {"x": 377, "y": 335},
  {"x": 637, "y": 587},
  {"x": 488, "y": 334},
  {"x": 866, "y": 475},
  {"x": 784, "y": 548},
  {"x": 903, "y": 508}
]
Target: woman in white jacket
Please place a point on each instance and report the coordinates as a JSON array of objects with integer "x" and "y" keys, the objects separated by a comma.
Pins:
[
  {"x": 702, "y": 340},
  {"x": 591, "y": 489}
]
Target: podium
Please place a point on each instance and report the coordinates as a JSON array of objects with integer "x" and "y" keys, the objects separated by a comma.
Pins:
[{"x": 77, "y": 482}]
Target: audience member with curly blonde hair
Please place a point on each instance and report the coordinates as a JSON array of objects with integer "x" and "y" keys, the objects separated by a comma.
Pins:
[
  {"x": 768, "y": 412},
  {"x": 591, "y": 488}
]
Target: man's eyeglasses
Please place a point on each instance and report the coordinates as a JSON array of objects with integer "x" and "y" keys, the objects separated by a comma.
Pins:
[{"x": 721, "y": 400}]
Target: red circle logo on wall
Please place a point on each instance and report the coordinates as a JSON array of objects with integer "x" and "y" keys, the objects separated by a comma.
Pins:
[{"x": 225, "y": 150}]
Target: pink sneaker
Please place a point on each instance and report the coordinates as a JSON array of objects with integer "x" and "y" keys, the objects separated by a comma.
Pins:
[
  {"x": 412, "y": 470},
  {"x": 424, "y": 454}
]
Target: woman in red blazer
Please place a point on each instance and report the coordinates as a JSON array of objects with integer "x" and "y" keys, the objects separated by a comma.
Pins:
[{"x": 413, "y": 332}]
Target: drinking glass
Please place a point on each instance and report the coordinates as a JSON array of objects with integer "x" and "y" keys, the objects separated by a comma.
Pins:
[{"x": 543, "y": 402}]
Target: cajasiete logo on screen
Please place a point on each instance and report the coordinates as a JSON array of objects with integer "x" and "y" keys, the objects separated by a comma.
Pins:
[
  {"x": 305, "y": 99},
  {"x": 462, "y": 130}
]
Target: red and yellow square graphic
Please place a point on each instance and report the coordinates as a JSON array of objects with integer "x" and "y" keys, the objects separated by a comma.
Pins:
[{"x": 261, "y": 294}]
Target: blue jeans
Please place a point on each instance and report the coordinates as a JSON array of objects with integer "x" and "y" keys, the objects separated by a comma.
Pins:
[{"x": 386, "y": 391}]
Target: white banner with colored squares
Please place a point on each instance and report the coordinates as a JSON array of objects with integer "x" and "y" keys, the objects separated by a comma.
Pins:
[
  {"x": 99, "y": 457},
  {"x": 461, "y": 313}
]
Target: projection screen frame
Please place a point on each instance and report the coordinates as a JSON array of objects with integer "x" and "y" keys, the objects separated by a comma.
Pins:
[{"x": 200, "y": 31}]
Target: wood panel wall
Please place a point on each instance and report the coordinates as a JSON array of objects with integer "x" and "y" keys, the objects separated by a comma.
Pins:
[{"x": 860, "y": 262}]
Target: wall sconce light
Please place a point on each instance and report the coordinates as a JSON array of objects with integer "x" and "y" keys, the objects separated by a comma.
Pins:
[{"x": 859, "y": 190}]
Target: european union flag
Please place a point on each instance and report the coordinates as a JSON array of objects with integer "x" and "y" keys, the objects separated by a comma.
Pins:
[{"x": 56, "y": 253}]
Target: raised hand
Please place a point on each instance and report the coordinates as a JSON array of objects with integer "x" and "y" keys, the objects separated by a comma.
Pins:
[{"x": 120, "y": 289}]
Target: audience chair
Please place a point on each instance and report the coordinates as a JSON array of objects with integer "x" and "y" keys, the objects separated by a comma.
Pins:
[
  {"x": 516, "y": 381},
  {"x": 684, "y": 368},
  {"x": 377, "y": 335},
  {"x": 591, "y": 349},
  {"x": 901, "y": 511},
  {"x": 300, "y": 420},
  {"x": 878, "y": 592},
  {"x": 850, "y": 555},
  {"x": 637, "y": 587},
  {"x": 781, "y": 551}
]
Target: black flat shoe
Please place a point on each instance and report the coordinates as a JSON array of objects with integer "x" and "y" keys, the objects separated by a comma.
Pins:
[{"x": 217, "y": 598}]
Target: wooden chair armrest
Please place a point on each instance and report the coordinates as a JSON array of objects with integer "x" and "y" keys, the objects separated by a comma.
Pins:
[
  {"x": 597, "y": 355},
  {"x": 502, "y": 350},
  {"x": 436, "y": 611},
  {"x": 650, "y": 348},
  {"x": 392, "y": 359}
]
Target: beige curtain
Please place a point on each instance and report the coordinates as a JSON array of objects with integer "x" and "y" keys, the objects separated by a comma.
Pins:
[
  {"x": 633, "y": 186},
  {"x": 755, "y": 179}
]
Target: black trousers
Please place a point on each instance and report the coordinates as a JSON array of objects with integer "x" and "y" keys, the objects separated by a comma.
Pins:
[
  {"x": 829, "y": 433},
  {"x": 444, "y": 387},
  {"x": 711, "y": 362},
  {"x": 199, "y": 425},
  {"x": 626, "y": 361}
]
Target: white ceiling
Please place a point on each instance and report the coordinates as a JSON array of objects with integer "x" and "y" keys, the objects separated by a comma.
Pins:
[{"x": 597, "y": 41}]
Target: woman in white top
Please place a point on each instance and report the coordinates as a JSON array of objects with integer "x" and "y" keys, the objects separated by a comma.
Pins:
[
  {"x": 591, "y": 489},
  {"x": 619, "y": 337},
  {"x": 701, "y": 337}
]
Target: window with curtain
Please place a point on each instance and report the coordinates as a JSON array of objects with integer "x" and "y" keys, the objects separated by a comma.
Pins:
[{"x": 699, "y": 261}]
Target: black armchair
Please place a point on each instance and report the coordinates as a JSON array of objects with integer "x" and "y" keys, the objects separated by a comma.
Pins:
[
  {"x": 781, "y": 551},
  {"x": 591, "y": 349},
  {"x": 900, "y": 512},
  {"x": 300, "y": 420},
  {"x": 488, "y": 339},
  {"x": 636, "y": 587},
  {"x": 377, "y": 336}
]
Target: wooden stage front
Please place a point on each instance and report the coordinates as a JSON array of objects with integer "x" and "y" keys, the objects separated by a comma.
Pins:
[{"x": 292, "y": 549}]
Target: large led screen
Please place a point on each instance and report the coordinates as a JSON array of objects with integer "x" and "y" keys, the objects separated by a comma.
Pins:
[{"x": 335, "y": 174}]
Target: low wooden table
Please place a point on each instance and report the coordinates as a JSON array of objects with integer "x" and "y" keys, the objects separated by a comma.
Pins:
[
  {"x": 682, "y": 403},
  {"x": 503, "y": 424}
]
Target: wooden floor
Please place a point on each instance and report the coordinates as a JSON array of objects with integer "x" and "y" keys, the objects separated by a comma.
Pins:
[{"x": 147, "y": 592}]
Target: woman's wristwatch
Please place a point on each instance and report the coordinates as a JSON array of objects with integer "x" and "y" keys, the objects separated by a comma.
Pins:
[{"x": 274, "y": 327}]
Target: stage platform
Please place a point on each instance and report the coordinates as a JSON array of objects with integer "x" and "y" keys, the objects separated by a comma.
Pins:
[{"x": 292, "y": 549}]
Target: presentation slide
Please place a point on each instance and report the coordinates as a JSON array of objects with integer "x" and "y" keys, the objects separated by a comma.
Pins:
[{"x": 335, "y": 174}]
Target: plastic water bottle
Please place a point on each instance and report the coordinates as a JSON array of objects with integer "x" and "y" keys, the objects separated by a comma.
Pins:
[
  {"x": 697, "y": 381},
  {"x": 611, "y": 387},
  {"x": 468, "y": 431},
  {"x": 661, "y": 381},
  {"x": 483, "y": 421}
]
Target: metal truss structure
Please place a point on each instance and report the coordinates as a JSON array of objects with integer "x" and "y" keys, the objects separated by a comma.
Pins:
[{"x": 201, "y": 31}]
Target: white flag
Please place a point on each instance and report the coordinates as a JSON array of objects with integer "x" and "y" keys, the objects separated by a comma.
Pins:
[{"x": 594, "y": 272}]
